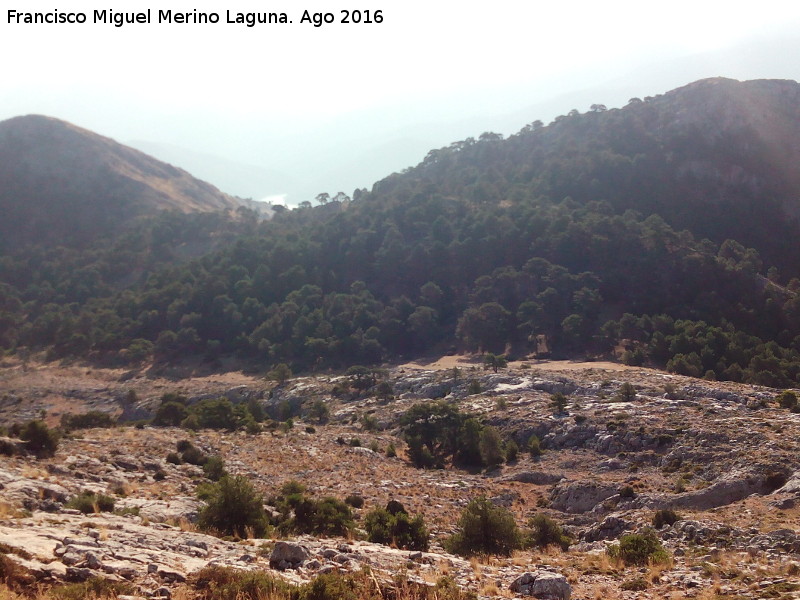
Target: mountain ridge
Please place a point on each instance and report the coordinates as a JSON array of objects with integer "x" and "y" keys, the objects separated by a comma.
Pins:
[
  {"x": 646, "y": 233},
  {"x": 59, "y": 181}
]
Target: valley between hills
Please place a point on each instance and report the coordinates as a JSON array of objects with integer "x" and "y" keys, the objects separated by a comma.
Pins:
[{"x": 562, "y": 364}]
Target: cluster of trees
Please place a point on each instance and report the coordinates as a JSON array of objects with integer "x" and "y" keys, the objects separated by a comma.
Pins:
[
  {"x": 437, "y": 431},
  {"x": 699, "y": 349},
  {"x": 485, "y": 529},
  {"x": 488, "y": 245},
  {"x": 208, "y": 413},
  {"x": 234, "y": 507}
]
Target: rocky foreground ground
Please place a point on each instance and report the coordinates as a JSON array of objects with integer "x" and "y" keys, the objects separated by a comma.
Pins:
[{"x": 723, "y": 456}]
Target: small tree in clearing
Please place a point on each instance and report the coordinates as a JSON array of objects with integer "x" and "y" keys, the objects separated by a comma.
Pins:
[
  {"x": 495, "y": 361},
  {"x": 234, "y": 508},
  {"x": 484, "y": 528}
]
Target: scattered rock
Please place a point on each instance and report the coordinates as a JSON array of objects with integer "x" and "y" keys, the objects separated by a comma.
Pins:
[
  {"x": 580, "y": 496},
  {"x": 536, "y": 477},
  {"x": 543, "y": 585},
  {"x": 286, "y": 555}
]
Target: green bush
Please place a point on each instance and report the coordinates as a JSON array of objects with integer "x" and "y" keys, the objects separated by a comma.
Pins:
[
  {"x": 355, "y": 500},
  {"x": 216, "y": 413},
  {"x": 639, "y": 549},
  {"x": 292, "y": 487},
  {"x": 194, "y": 456},
  {"x": 474, "y": 387},
  {"x": 320, "y": 412},
  {"x": 626, "y": 393},
  {"x": 89, "y": 502},
  {"x": 370, "y": 422},
  {"x": 391, "y": 451},
  {"x": 234, "y": 508},
  {"x": 394, "y": 507},
  {"x": 384, "y": 390},
  {"x": 174, "y": 458},
  {"x": 192, "y": 423},
  {"x": 638, "y": 584},
  {"x": 328, "y": 516},
  {"x": 534, "y": 446},
  {"x": 787, "y": 399},
  {"x": 398, "y": 529},
  {"x": 170, "y": 414},
  {"x": 41, "y": 440},
  {"x": 223, "y": 583},
  {"x": 95, "y": 587},
  {"x": 491, "y": 447},
  {"x": 420, "y": 454},
  {"x": 512, "y": 451},
  {"x": 546, "y": 532},
  {"x": 484, "y": 528},
  {"x": 214, "y": 468},
  {"x": 88, "y": 420},
  {"x": 558, "y": 403},
  {"x": 280, "y": 373},
  {"x": 332, "y": 586},
  {"x": 665, "y": 516}
]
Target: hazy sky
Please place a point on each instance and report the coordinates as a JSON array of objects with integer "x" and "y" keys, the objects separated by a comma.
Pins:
[{"x": 298, "y": 109}]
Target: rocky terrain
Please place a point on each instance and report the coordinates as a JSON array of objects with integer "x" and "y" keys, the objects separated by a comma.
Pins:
[{"x": 724, "y": 456}]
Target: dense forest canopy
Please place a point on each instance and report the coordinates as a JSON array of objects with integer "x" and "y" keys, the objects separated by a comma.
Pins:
[{"x": 661, "y": 231}]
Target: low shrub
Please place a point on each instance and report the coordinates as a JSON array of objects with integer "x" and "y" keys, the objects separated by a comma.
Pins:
[
  {"x": 214, "y": 468},
  {"x": 183, "y": 445},
  {"x": 355, "y": 500},
  {"x": 88, "y": 420},
  {"x": 95, "y": 587},
  {"x": 787, "y": 399},
  {"x": 336, "y": 586},
  {"x": 512, "y": 451},
  {"x": 40, "y": 439},
  {"x": 665, "y": 516},
  {"x": 534, "y": 446},
  {"x": 397, "y": 529},
  {"x": 292, "y": 487},
  {"x": 638, "y": 584},
  {"x": 174, "y": 458},
  {"x": 639, "y": 549},
  {"x": 484, "y": 528},
  {"x": 234, "y": 508},
  {"x": 328, "y": 516},
  {"x": 194, "y": 456},
  {"x": 222, "y": 583},
  {"x": 170, "y": 414},
  {"x": 546, "y": 532},
  {"x": 88, "y": 502}
]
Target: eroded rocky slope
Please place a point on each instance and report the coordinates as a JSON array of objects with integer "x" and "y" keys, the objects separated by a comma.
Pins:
[{"x": 724, "y": 456}]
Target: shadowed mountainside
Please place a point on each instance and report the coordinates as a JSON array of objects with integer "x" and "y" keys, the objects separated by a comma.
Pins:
[{"x": 60, "y": 184}]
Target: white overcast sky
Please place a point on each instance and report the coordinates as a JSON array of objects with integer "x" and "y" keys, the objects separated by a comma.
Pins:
[{"x": 283, "y": 96}]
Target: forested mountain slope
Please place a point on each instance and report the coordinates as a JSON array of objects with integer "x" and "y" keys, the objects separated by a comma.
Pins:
[
  {"x": 717, "y": 157},
  {"x": 590, "y": 231}
]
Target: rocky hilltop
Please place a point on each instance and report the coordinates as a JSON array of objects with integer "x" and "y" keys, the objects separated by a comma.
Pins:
[{"x": 721, "y": 456}]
